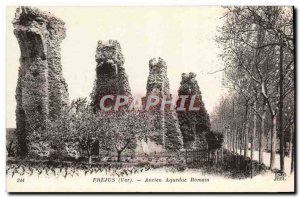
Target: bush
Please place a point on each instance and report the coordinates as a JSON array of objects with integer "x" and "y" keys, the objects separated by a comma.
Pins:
[
  {"x": 142, "y": 164},
  {"x": 214, "y": 140},
  {"x": 181, "y": 167}
]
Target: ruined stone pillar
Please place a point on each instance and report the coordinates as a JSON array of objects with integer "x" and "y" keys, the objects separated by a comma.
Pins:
[
  {"x": 167, "y": 131},
  {"x": 192, "y": 123},
  {"x": 111, "y": 78},
  {"x": 41, "y": 91}
]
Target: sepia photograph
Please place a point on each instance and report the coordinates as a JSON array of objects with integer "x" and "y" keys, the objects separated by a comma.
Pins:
[{"x": 150, "y": 99}]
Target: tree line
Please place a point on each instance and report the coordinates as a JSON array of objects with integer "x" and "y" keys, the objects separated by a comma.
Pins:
[{"x": 258, "y": 54}]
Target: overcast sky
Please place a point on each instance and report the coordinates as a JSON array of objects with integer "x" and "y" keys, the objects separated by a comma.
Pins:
[{"x": 182, "y": 36}]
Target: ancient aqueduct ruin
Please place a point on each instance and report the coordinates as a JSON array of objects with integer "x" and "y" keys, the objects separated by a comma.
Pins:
[{"x": 42, "y": 91}]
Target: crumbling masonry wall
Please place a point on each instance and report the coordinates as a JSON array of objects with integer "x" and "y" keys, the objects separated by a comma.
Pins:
[{"x": 41, "y": 92}]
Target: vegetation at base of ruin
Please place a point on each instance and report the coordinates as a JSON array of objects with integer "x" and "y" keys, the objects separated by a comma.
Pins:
[
  {"x": 71, "y": 169},
  {"x": 62, "y": 164},
  {"x": 80, "y": 130},
  {"x": 11, "y": 142},
  {"x": 74, "y": 167},
  {"x": 233, "y": 166},
  {"x": 214, "y": 140}
]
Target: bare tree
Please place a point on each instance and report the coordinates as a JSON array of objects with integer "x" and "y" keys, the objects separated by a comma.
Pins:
[{"x": 259, "y": 42}]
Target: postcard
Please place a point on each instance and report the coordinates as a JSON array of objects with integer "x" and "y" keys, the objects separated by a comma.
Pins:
[{"x": 150, "y": 99}]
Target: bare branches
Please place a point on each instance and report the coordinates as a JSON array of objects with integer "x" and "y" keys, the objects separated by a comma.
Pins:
[
  {"x": 258, "y": 55},
  {"x": 217, "y": 71}
]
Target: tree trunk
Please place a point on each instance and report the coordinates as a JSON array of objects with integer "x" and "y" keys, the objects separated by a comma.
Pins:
[
  {"x": 216, "y": 156},
  {"x": 261, "y": 136},
  {"x": 237, "y": 146},
  {"x": 253, "y": 132},
  {"x": 280, "y": 108},
  {"x": 273, "y": 142},
  {"x": 90, "y": 159},
  {"x": 231, "y": 140},
  {"x": 246, "y": 141},
  {"x": 233, "y": 127},
  {"x": 241, "y": 138},
  {"x": 222, "y": 154},
  {"x": 228, "y": 139},
  {"x": 293, "y": 150},
  {"x": 237, "y": 140},
  {"x": 225, "y": 141},
  {"x": 230, "y": 143},
  {"x": 268, "y": 145},
  {"x": 252, "y": 138},
  {"x": 119, "y": 156},
  {"x": 291, "y": 141},
  {"x": 246, "y": 132}
]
